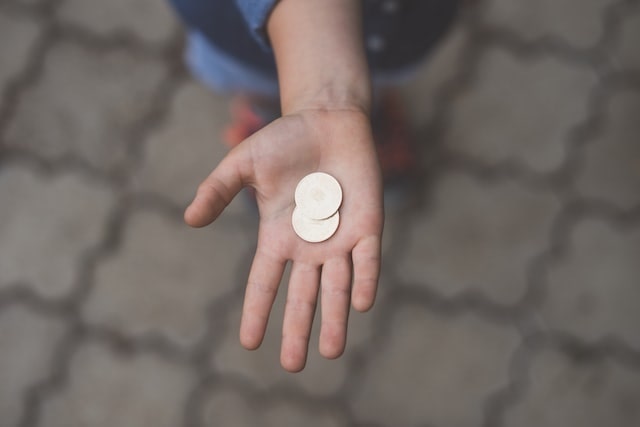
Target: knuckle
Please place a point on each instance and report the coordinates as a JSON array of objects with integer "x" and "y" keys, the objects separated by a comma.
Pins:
[{"x": 300, "y": 305}]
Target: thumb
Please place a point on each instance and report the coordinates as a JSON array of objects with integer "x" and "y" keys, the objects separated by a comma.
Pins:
[{"x": 219, "y": 188}]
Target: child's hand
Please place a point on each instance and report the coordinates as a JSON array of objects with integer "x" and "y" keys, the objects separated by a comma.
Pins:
[
  {"x": 324, "y": 91},
  {"x": 272, "y": 161}
]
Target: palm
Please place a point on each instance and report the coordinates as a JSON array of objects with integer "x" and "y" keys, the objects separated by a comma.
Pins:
[{"x": 273, "y": 161}]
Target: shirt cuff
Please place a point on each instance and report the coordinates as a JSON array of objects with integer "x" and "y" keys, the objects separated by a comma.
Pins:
[{"x": 255, "y": 14}]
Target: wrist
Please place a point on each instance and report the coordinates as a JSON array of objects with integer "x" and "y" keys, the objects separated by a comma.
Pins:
[{"x": 329, "y": 96}]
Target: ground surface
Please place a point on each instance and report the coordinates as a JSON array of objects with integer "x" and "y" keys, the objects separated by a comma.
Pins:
[{"x": 510, "y": 296}]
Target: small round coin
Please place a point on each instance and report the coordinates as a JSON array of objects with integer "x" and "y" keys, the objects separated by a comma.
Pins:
[
  {"x": 318, "y": 195},
  {"x": 314, "y": 230}
]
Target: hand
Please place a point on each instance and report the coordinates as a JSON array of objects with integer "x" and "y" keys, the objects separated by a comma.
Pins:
[{"x": 272, "y": 161}]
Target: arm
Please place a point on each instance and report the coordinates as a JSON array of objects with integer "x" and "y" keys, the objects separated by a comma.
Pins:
[
  {"x": 325, "y": 99},
  {"x": 319, "y": 55}
]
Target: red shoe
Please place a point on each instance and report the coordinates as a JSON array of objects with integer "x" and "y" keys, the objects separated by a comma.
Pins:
[{"x": 245, "y": 121}]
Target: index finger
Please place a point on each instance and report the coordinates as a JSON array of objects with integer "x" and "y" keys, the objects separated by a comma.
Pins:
[{"x": 262, "y": 287}]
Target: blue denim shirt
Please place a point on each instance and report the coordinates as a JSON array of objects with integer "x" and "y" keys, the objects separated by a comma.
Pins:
[{"x": 397, "y": 33}]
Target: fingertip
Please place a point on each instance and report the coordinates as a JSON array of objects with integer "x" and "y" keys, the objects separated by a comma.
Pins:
[
  {"x": 189, "y": 216},
  {"x": 252, "y": 328},
  {"x": 331, "y": 354},
  {"x": 250, "y": 342},
  {"x": 292, "y": 361},
  {"x": 331, "y": 347},
  {"x": 362, "y": 303},
  {"x": 217, "y": 190},
  {"x": 202, "y": 211}
]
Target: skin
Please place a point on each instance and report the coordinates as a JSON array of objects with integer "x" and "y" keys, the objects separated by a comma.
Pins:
[{"x": 325, "y": 98}]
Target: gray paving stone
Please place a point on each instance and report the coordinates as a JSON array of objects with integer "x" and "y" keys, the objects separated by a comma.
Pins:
[
  {"x": 108, "y": 389},
  {"x": 47, "y": 223},
  {"x": 84, "y": 104},
  {"x": 17, "y": 37},
  {"x": 187, "y": 147},
  {"x": 227, "y": 408},
  {"x": 611, "y": 171},
  {"x": 625, "y": 54},
  {"x": 261, "y": 366},
  {"x": 587, "y": 393},
  {"x": 30, "y": 2},
  {"x": 27, "y": 341},
  {"x": 520, "y": 110},
  {"x": 164, "y": 276},
  {"x": 594, "y": 292},
  {"x": 150, "y": 20},
  {"x": 286, "y": 413},
  {"x": 434, "y": 370},
  {"x": 320, "y": 376},
  {"x": 577, "y": 22},
  {"x": 479, "y": 237}
]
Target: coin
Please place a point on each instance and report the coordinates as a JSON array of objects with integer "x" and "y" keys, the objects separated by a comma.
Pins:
[
  {"x": 314, "y": 230},
  {"x": 318, "y": 195}
]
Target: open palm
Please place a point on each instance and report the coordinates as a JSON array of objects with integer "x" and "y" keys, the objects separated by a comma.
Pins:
[{"x": 273, "y": 161}]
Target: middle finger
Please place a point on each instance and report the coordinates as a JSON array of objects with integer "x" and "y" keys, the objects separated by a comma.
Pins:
[{"x": 298, "y": 315}]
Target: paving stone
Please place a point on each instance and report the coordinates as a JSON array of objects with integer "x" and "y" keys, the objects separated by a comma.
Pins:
[
  {"x": 84, "y": 104},
  {"x": 164, "y": 276},
  {"x": 17, "y": 37},
  {"x": 577, "y": 22},
  {"x": 320, "y": 376},
  {"x": 625, "y": 54},
  {"x": 187, "y": 147},
  {"x": 30, "y": 2},
  {"x": 479, "y": 237},
  {"x": 286, "y": 413},
  {"x": 231, "y": 408},
  {"x": 434, "y": 370},
  {"x": 109, "y": 389},
  {"x": 594, "y": 291},
  {"x": 262, "y": 366},
  {"x": 47, "y": 224},
  {"x": 27, "y": 340},
  {"x": 150, "y": 20},
  {"x": 566, "y": 392},
  {"x": 520, "y": 110},
  {"x": 612, "y": 162}
]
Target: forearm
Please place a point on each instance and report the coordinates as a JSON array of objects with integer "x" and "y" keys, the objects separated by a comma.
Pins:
[{"x": 319, "y": 54}]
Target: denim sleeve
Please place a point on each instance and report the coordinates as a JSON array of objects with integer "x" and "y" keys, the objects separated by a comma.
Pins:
[{"x": 256, "y": 13}]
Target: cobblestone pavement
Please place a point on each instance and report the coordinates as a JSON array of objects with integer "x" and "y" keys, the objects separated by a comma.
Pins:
[{"x": 510, "y": 294}]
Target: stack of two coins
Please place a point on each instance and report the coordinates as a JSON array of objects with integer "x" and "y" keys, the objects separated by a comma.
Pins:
[{"x": 318, "y": 197}]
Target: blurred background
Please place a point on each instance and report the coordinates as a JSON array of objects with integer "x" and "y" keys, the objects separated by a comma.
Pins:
[{"x": 510, "y": 295}]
